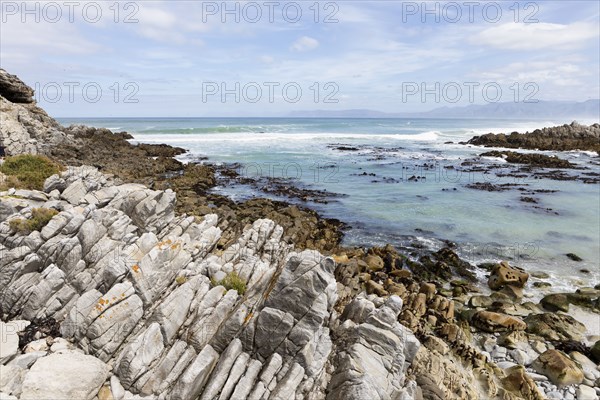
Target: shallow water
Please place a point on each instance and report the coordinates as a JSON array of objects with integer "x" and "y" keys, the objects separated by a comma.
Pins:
[{"x": 390, "y": 208}]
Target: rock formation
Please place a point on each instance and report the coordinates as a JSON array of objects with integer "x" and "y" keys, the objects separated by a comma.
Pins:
[
  {"x": 122, "y": 294},
  {"x": 573, "y": 136}
]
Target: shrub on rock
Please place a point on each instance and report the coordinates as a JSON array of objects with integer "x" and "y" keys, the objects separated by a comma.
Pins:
[
  {"x": 39, "y": 219},
  {"x": 30, "y": 171}
]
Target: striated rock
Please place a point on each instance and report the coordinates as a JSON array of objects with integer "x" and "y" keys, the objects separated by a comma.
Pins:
[
  {"x": 194, "y": 378},
  {"x": 69, "y": 375},
  {"x": 13, "y": 89},
  {"x": 558, "y": 367},
  {"x": 371, "y": 353},
  {"x": 494, "y": 322}
]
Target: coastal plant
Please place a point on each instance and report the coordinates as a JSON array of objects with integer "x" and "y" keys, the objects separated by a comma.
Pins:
[
  {"x": 231, "y": 281},
  {"x": 28, "y": 171},
  {"x": 180, "y": 280},
  {"x": 39, "y": 218}
]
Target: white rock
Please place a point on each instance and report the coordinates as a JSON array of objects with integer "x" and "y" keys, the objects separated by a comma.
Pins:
[
  {"x": 26, "y": 360},
  {"x": 9, "y": 342},
  {"x": 11, "y": 378},
  {"x": 64, "y": 376},
  {"x": 219, "y": 377},
  {"x": 116, "y": 388},
  {"x": 521, "y": 357},
  {"x": 584, "y": 392},
  {"x": 505, "y": 364},
  {"x": 191, "y": 383},
  {"x": 136, "y": 358},
  {"x": 37, "y": 346}
]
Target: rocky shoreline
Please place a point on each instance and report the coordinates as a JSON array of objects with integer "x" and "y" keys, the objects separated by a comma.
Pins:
[
  {"x": 125, "y": 293},
  {"x": 566, "y": 137}
]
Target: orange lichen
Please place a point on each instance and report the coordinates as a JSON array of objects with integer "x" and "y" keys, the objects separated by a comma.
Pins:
[
  {"x": 135, "y": 268},
  {"x": 248, "y": 317}
]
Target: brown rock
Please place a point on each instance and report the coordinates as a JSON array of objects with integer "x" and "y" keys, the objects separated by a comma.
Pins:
[
  {"x": 554, "y": 326},
  {"x": 428, "y": 289},
  {"x": 374, "y": 263},
  {"x": 374, "y": 287},
  {"x": 517, "y": 381},
  {"x": 434, "y": 343},
  {"x": 503, "y": 274},
  {"x": 558, "y": 367},
  {"x": 556, "y": 302},
  {"x": 480, "y": 301},
  {"x": 495, "y": 322},
  {"x": 105, "y": 394},
  {"x": 401, "y": 273}
]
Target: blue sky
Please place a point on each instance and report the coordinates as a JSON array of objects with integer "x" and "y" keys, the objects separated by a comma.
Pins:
[{"x": 175, "y": 57}]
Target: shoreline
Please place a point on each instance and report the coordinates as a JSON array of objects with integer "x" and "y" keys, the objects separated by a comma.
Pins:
[{"x": 191, "y": 282}]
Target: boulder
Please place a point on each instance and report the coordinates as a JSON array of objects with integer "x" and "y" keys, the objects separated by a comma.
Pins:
[
  {"x": 503, "y": 274},
  {"x": 68, "y": 375},
  {"x": 495, "y": 322},
  {"x": 555, "y": 302},
  {"x": 557, "y": 366},
  {"x": 553, "y": 326},
  {"x": 374, "y": 263},
  {"x": 518, "y": 381}
]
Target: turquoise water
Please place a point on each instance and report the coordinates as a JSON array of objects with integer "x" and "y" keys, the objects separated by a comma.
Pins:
[{"x": 485, "y": 225}]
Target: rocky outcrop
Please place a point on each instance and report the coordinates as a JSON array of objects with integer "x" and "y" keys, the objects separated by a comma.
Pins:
[
  {"x": 566, "y": 137},
  {"x": 535, "y": 160},
  {"x": 13, "y": 89},
  {"x": 24, "y": 127},
  {"x": 130, "y": 284}
]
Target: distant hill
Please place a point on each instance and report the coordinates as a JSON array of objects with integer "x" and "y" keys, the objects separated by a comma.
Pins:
[{"x": 508, "y": 110}]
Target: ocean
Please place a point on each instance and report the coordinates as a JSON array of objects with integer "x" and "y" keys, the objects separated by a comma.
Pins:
[{"x": 404, "y": 181}]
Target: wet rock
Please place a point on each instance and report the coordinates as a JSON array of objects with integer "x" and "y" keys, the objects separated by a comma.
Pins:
[
  {"x": 566, "y": 137},
  {"x": 558, "y": 367},
  {"x": 574, "y": 257},
  {"x": 536, "y": 160},
  {"x": 503, "y": 274},
  {"x": 552, "y": 326},
  {"x": 555, "y": 302}
]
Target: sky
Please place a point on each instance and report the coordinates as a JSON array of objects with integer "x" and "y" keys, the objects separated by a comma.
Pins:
[{"x": 270, "y": 58}]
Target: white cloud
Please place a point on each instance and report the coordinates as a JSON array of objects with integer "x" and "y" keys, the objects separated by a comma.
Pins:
[
  {"x": 305, "y": 43},
  {"x": 514, "y": 36}
]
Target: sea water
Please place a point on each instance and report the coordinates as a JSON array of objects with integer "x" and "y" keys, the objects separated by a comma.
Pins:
[{"x": 484, "y": 225}]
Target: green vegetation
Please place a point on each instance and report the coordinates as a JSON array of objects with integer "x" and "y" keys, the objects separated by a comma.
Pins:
[
  {"x": 39, "y": 218},
  {"x": 27, "y": 171},
  {"x": 181, "y": 280},
  {"x": 231, "y": 281}
]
